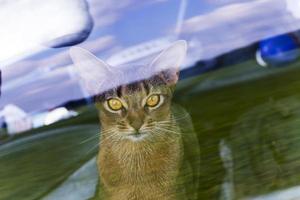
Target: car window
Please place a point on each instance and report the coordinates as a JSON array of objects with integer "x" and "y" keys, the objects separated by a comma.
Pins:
[{"x": 156, "y": 99}]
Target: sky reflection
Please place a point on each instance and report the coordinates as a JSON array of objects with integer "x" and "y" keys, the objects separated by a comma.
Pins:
[{"x": 44, "y": 80}]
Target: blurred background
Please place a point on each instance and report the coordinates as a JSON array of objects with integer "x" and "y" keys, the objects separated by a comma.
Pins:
[{"x": 240, "y": 82}]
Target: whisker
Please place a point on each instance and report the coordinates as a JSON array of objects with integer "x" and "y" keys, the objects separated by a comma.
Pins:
[
  {"x": 91, "y": 149},
  {"x": 168, "y": 130},
  {"x": 112, "y": 134},
  {"x": 178, "y": 117},
  {"x": 90, "y": 138}
]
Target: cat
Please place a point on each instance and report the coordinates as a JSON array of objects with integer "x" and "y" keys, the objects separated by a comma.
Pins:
[{"x": 141, "y": 143}]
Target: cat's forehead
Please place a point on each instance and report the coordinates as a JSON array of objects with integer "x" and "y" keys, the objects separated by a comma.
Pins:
[
  {"x": 139, "y": 88},
  {"x": 135, "y": 90}
]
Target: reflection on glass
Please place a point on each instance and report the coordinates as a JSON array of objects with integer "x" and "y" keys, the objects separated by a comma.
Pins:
[
  {"x": 142, "y": 133},
  {"x": 237, "y": 97}
]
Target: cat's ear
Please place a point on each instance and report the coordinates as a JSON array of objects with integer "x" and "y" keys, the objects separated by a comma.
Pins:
[
  {"x": 92, "y": 71},
  {"x": 168, "y": 62}
]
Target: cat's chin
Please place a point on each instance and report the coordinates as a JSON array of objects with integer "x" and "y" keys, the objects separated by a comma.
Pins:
[{"x": 137, "y": 137}]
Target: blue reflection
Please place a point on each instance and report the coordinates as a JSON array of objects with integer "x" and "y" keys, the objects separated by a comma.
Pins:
[{"x": 280, "y": 49}]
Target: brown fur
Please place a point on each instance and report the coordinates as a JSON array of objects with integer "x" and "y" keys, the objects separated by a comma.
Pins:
[
  {"x": 133, "y": 172},
  {"x": 141, "y": 146},
  {"x": 145, "y": 169}
]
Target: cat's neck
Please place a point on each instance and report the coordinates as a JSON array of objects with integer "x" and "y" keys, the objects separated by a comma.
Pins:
[{"x": 145, "y": 156}]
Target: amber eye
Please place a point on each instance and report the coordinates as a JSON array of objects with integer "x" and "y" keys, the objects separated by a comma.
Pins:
[
  {"x": 153, "y": 100},
  {"x": 115, "y": 104}
]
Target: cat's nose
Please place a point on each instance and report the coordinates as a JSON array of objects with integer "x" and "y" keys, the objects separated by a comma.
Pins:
[{"x": 136, "y": 124}]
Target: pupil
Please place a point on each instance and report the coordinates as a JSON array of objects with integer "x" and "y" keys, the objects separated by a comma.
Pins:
[
  {"x": 153, "y": 100},
  {"x": 115, "y": 104}
]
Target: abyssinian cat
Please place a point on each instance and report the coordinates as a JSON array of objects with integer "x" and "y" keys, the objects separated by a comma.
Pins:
[{"x": 141, "y": 143}]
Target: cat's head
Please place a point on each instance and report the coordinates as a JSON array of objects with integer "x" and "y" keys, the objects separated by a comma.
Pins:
[{"x": 134, "y": 101}]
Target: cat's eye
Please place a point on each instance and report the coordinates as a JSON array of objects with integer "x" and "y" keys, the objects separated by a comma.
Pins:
[
  {"x": 115, "y": 104},
  {"x": 153, "y": 100}
]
